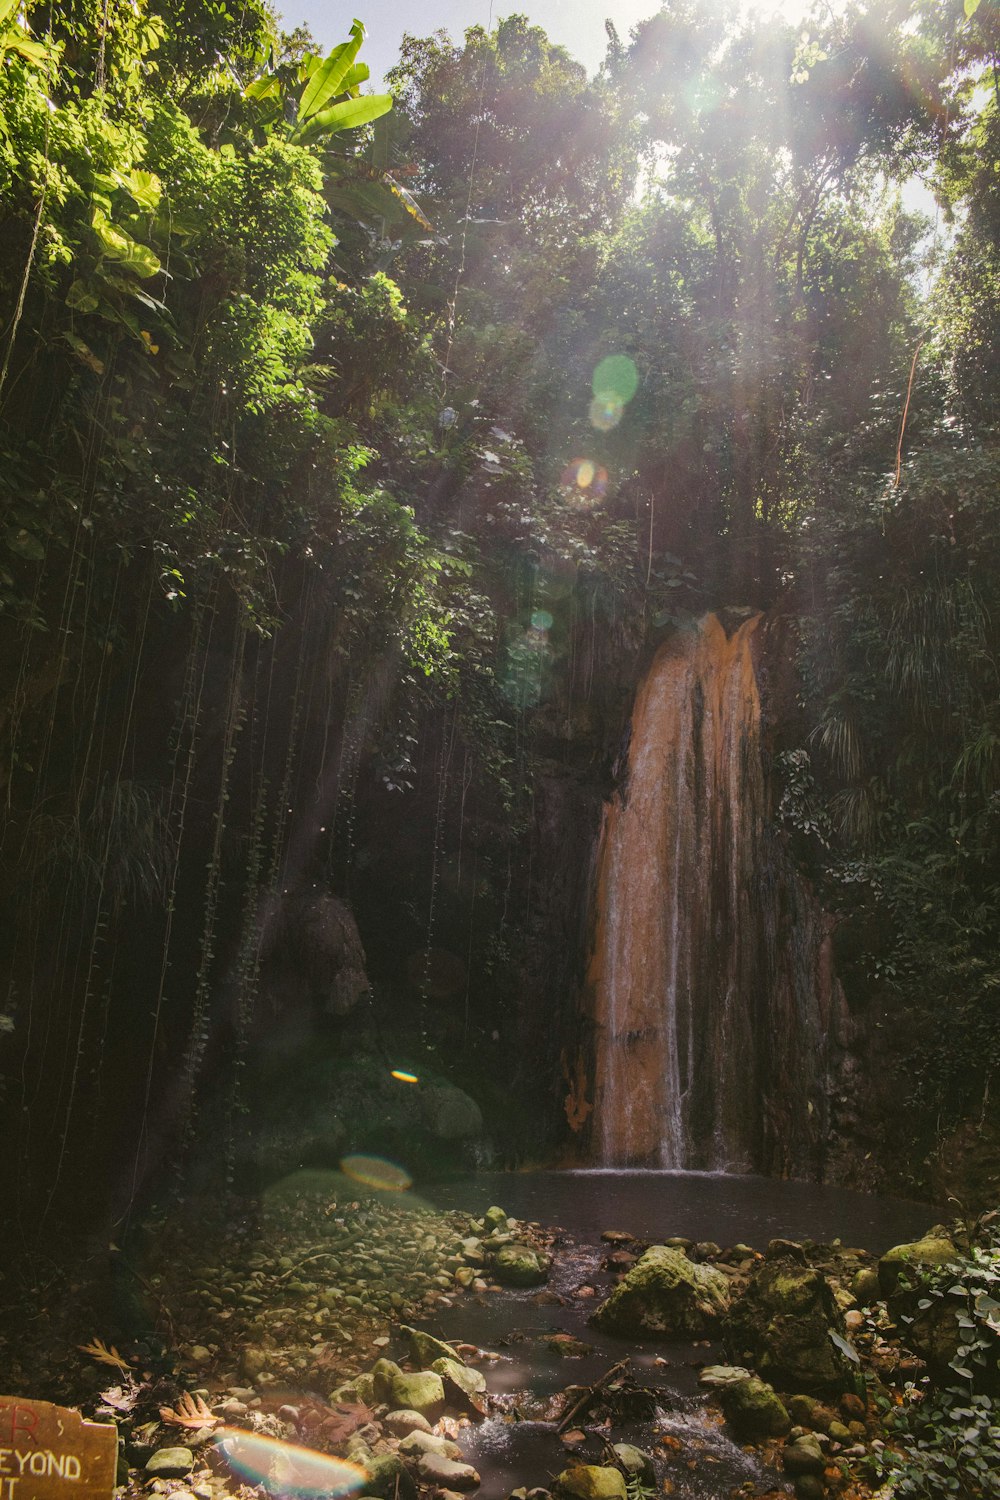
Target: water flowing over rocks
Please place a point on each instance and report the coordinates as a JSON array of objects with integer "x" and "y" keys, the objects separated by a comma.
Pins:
[
  {"x": 285, "y": 1328},
  {"x": 718, "y": 1021}
]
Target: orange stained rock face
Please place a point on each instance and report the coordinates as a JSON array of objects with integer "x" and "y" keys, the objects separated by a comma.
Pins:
[{"x": 673, "y": 950}]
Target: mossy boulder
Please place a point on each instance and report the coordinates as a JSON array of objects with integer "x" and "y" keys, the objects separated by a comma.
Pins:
[
  {"x": 425, "y": 1348},
  {"x": 908, "y": 1260},
  {"x": 388, "y": 1477},
  {"x": 591, "y": 1482},
  {"x": 665, "y": 1293},
  {"x": 520, "y": 1265},
  {"x": 753, "y": 1410},
  {"x": 788, "y": 1326},
  {"x": 422, "y": 1391},
  {"x": 463, "y": 1387}
]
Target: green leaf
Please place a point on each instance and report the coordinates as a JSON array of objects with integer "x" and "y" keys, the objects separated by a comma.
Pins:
[
  {"x": 34, "y": 52},
  {"x": 119, "y": 246},
  {"x": 347, "y": 115},
  {"x": 142, "y": 187},
  {"x": 845, "y": 1348},
  {"x": 971, "y": 6},
  {"x": 25, "y": 545},
  {"x": 263, "y": 88},
  {"x": 325, "y": 83},
  {"x": 82, "y": 298},
  {"x": 357, "y": 75}
]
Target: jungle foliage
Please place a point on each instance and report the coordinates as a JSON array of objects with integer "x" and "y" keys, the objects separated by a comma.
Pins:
[{"x": 310, "y": 499}]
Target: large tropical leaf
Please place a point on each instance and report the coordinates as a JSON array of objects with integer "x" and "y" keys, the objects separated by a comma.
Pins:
[
  {"x": 328, "y": 79},
  {"x": 367, "y": 193},
  {"x": 347, "y": 115}
]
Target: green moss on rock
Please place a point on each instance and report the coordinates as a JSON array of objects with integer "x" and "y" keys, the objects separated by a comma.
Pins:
[{"x": 668, "y": 1294}]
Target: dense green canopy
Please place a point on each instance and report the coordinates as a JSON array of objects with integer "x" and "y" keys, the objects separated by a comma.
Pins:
[{"x": 340, "y": 445}]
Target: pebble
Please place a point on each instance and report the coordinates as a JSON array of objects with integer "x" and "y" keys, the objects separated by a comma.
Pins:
[{"x": 170, "y": 1463}]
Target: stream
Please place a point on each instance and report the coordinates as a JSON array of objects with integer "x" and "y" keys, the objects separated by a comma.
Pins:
[{"x": 693, "y": 1453}]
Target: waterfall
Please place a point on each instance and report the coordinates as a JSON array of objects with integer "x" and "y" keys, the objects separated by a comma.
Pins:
[{"x": 679, "y": 961}]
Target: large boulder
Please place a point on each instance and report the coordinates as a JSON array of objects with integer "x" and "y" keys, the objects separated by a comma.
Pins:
[
  {"x": 909, "y": 1260},
  {"x": 520, "y": 1265},
  {"x": 422, "y": 1391},
  {"x": 788, "y": 1326},
  {"x": 666, "y": 1294},
  {"x": 449, "y": 1113}
]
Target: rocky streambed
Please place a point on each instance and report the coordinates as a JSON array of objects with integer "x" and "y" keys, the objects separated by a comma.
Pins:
[{"x": 334, "y": 1340}]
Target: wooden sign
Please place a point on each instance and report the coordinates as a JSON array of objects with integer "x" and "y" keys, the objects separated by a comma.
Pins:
[{"x": 50, "y": 1453}]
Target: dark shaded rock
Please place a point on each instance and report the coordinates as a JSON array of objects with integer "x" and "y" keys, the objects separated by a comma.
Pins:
[
  {"x": 803, "y": 1456},
  {"x": 634, "y": 1463},
  {"x": 425, "y": 1348},
  {"x": 783, "y": 1323},
  {"x": 389, "y": 1478},
  {"x": 449, "y": 1113},
  {"x": 753, "y": 1410}
]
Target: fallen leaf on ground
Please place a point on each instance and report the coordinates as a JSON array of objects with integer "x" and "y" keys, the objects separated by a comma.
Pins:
[
  {"x": 190, "y": 1411},
  {"x": 99, "y": 1350}
]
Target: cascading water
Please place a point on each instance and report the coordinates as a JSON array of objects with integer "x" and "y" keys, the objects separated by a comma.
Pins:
[{"x": 709, "y": 983}]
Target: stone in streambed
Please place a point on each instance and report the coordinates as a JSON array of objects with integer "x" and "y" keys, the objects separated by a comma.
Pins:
[
  {"x": 635, "y": 1464},
  {"x": 170, "y": 1463},
  {"x": 753, "y": 1410},
  {"x": 422, "y": 1392},
  {"x": 425, "y": 1348},
  {"x": 520, "y": 1265},
  {"x": 447, "y": 1473},
  {"x": 809, "y": 1487},
  {"x": 865, "y": 1286},
  {"x": 803, "y": 1456},
  {"x": 418, "y": 1443},
  {"x": 717, "y": 1376},
  {"x": 389, "y": 1478},
  {"x": 402, "y": 1423},
  {"x": 665, "y": 1293},
  {"x": 463, "y": 1387},
  {"x": 384, "y": 1372},
  {"x": 590, "y": 1482}
]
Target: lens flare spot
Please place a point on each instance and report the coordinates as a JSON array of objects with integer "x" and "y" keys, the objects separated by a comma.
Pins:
[
  {"x": 605, "y": 412},
  {"x": 403, "y": 1076},
  {"x": 376, "y": 1172},
  {"x": 585, "y": 480},
  {"x": 616, "y": 376},
  {"x": 285, "y": 1469},
  {"x": 541, "y": 620}
]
